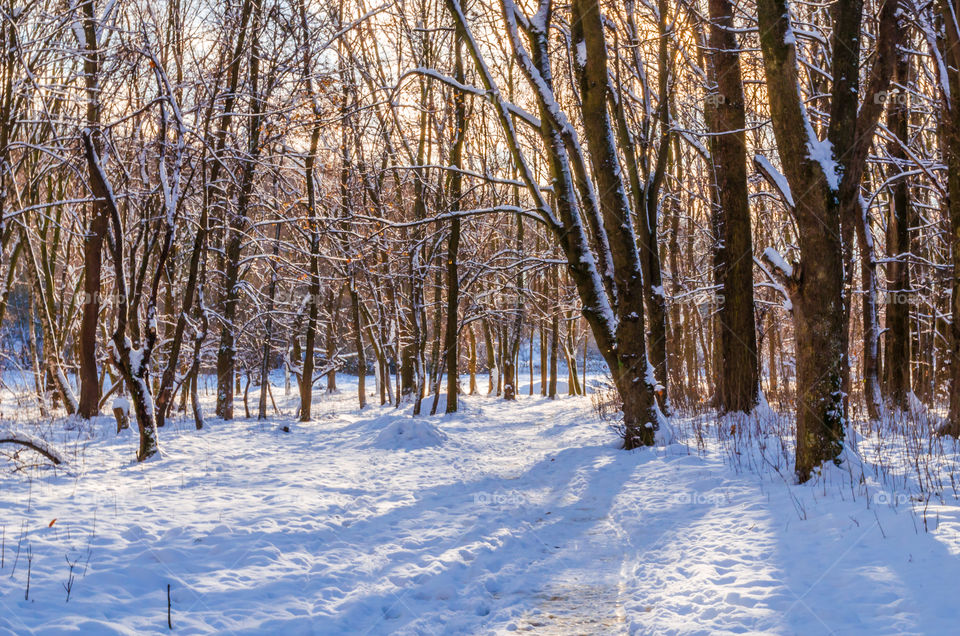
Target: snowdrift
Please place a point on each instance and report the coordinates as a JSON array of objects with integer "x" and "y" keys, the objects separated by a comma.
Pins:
[{"x": 407, "y": 433}]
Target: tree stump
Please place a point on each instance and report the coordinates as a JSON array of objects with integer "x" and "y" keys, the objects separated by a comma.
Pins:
[{"x": 121, "y": 411}]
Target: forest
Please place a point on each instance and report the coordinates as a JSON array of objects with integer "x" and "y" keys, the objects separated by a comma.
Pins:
[{"x": 731, "y": 226}]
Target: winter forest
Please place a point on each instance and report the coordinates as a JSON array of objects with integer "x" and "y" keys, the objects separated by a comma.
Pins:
[{"x": 479, "y": 316}]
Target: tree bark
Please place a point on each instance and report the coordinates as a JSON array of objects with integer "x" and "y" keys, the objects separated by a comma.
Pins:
[
  {"x": 738, "y": 375},
  {"x": 358, "y": 343},
  {"x": 455, "y": 192},
  {"x": 268, "y": 328},
  {"x": 603, "y": 262},
  {"x": 949, "y": 12},
  {"x": 899, "y": 293},
  {"x": 237, "y": 222},
  {"x": 825, "y": 188},
  {"x": 93, "y": 239},
  {"x": 472, "y": 362}
]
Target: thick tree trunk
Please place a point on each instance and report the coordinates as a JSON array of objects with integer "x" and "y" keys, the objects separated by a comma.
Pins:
[
  {"x": 630, "y": 369},
  {"x": 92, "y": 265},
  {"x": 451, "y": 344},
  {"x": 509, "y": 376},
  {"x": 949, "y": 12},
  {"x": 826, "y": 189},
  {"x": 646, "y": 197},
  {"x": 133, "y": 368},
  {"x": 93, "y": 240},
  {"x": 737, "y": 352},
  {"x": 816, "y": 286},
  {"x": 603, "y": 262}
]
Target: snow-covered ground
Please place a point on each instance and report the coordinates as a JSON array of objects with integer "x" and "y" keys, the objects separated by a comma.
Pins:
[{"x": 505, "y": 517}]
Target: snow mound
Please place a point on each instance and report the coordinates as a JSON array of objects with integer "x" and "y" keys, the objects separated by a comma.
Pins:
[{"x": 409, "y": 433}]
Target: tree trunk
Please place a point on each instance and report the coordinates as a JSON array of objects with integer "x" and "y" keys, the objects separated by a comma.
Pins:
[
  {"x": 93, "y": 240},
  {"x": 738, "y": 374},
  {"x": 629, "y": 367},
  {"x": 826, "y": 189},
  {"x": 358, "y": 344},
  {"x": 554, "y": 350},
  {"x": 871, "y": 328},
  {"x": 899, "y": 293},
  {"x": 265, "y": 362},
  {"x": 543, "y": 358},
  {"x": 235, "y": 230},
  {"x": 472, "y": 363},
  {"x": 949, "y": 12},
  {"x": 455, "y": 192},
  {"x": 313, "y": 291},
  {"x": 334, "y": 309},
  {"x": 590, "y": 223},
  {"x": 491, "y": 357}
]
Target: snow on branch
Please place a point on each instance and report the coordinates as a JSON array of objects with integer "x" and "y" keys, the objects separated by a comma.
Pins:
[
  {"x": 34, "y": 443},
  {"x": 774, "y": 258},
  {"x": 514, "y": 110},
  {"x": 776, "y": 179},
  {"x": 783, "y": 278}
]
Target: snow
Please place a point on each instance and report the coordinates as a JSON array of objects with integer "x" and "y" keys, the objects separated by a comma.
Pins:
[
  {"x": 121, "y": 403},
  {"x": 526, "y": 517},
  {"x": 789, "y": 37},
  {"x": 772, "y": 255},
  {"x": 582, "y": 53},
  {"x": 136, "y": 358},
  {"x": 404, "y": 432},
  {"x": 779, "y": 181},
  {"x": 23, "y": 438},
  {"x": 821, "y": 151}
]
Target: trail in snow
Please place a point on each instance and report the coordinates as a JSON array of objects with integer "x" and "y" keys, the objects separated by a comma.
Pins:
[{"x": 502, "y": 518}]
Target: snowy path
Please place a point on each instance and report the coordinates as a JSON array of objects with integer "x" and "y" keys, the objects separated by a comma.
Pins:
[{"x": 526, "y": 517}]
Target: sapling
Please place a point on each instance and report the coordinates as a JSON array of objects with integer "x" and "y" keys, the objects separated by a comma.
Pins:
[{"x": 68, "y": 586}]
